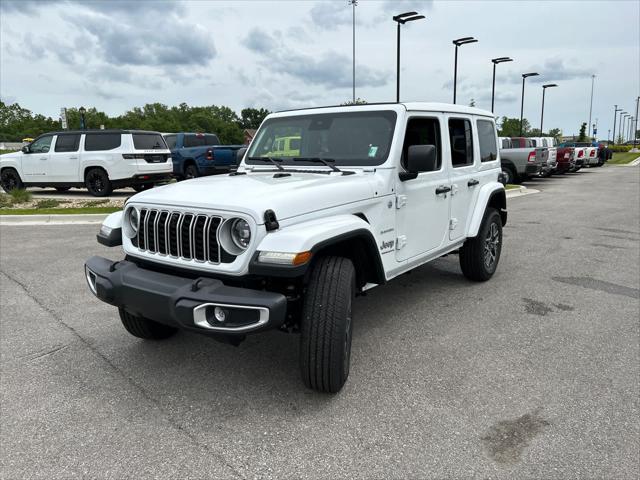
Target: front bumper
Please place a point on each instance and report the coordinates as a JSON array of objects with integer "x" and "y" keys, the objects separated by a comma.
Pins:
[{"x": 183, "y": 302}]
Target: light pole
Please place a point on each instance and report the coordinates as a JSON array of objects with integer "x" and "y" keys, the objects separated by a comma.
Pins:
[
  {"x": 593, "y": 77},
  {"x": 615, "y": 116},
  {"x": 353, "y": 4},
  {"x": 622, "y": 130},
  {"x": 82, "y": 111},
  {"x": 631, "y": 119},
  {"x": 524, "y": 77},
  {"x": 544, "y": 89},
  {"x": 635, "y": 128},
  {"x": 620, "y": 121},
  {"x": 493, "y": 83},
  {"x": 401, "y": 20},
  {"x": 457, "y": 43}
]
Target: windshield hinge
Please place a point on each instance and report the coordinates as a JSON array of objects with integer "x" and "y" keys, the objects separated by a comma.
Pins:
[{"x": 401, "y": 201}]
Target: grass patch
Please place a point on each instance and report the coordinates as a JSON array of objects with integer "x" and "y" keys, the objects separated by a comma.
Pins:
[
  {"x": 511, "y": 187},
  {"x": 20, "y": 196},
  {"x": 47, "y": 203},
  {"x": 622, "y": 158},
  {"x": 96, "y": 203},
  {"x": 56, "y": 211},
  {"x": 2, "y": 152}
]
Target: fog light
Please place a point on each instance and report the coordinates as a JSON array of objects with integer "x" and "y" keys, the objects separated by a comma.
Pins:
[{"x": 220, "y": 314}]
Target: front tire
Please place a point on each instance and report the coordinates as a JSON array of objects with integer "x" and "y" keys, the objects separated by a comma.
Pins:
[
  {"x": 98, "y": 183},
  {"x": 10, "y": 180},
  {"x": 479, "y": 256},
  {"x": 326, "y": 330},
  {"x": 144, "y": 328}
]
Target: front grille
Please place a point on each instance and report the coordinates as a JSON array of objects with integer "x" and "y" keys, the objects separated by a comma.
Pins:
[{"x": 182, "y": 235}]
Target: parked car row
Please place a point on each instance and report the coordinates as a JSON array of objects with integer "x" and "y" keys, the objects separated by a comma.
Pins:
[
  {"x": 104, "y": 160},
  {"x": 526, "y": 157}
]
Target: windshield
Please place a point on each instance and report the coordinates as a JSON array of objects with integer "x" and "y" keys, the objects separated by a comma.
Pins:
[{"x": 348, "y": 138}]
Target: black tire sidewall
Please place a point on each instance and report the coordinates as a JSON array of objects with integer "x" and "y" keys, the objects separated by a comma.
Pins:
[
  {"x": 10, "y": 172},
  {"x": 105, "y": 180},
  {"x": 491, "y": 217}
]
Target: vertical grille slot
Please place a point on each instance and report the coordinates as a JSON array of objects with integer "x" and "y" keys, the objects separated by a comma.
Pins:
[
  {"x": 151, "y": 232},
  {"x": 213, "y": 248},
  {"x": 185, "y": 236},
  {"x": 142, "y": 238},
  {"x": 173, "y": 234},
  {"x": 162, "y": 232},
  {"x": 199, "y": 238}
]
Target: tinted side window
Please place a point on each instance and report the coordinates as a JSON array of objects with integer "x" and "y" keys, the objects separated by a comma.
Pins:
[
  {"x": 533, "y": 143},
  {"x": 422, "y": 131},
  {"x": 94, "y": 142},
  {"x": 67, "y": 143},
  {"x": 148, "y": 141},
  {"x": 41, "y": 145},
  {"x": 487, "y": 139},
  {"x": 506, "y": 143},
  {"x": 171, "y": 141},
  {"x": 194, "y": 141},
  {"x": 211, "y": 140},
  {"x": 461, "y": 142}
]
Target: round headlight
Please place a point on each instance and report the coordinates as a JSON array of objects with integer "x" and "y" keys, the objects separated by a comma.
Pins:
[
  {"x": 131, "y": 219},
  {"x": 240, "y": 233}
]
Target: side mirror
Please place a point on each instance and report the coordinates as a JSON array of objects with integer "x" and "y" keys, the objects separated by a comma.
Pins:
[
  {"x": 25, "y": 149},
  {"x": 420, "y": 158}
]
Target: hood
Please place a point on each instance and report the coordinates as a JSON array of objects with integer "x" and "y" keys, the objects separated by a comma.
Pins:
[
  {"x": 10, "y": 155},
  {"x": 254, "y": 193}
]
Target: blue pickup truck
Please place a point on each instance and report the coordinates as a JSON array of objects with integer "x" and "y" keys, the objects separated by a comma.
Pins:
[{"x": 200, "y": 154}]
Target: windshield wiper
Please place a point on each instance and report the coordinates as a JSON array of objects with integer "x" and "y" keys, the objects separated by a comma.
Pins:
[
  {"x": 269, "y": 159},
  {"x": 326, "y": 161}
]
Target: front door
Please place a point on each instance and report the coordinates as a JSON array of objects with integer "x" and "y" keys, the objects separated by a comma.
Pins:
[
  {"x": 463, "y": 172},
  {"x": 35, "y": 163},
  {"x": 423, "y": 202}
]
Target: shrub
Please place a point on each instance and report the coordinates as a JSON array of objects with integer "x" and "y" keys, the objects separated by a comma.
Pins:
[
  {"x": 20, "y": 196},
  {"x": 47, "y": 203},
  {"x": 5, "y": 200},
  {"x": 620, "y": 148}
]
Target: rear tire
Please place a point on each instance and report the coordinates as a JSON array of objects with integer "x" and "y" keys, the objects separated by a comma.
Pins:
[
  {"x": 190, "y": 172},
  {"x": 10, "y": 180},
  {"x": 479, "y": 256},
  {"x": 510, "y": 173},
  {"x": 144, "y": 328},
  {"x": 326, "y": 325},
  {"x": 97, "y": 182}
]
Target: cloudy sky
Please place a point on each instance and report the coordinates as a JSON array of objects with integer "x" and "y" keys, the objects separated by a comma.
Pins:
[{"x": 289, "y": 54}]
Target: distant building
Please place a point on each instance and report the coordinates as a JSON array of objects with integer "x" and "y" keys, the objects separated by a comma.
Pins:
[{"x": 249, "y": 133}]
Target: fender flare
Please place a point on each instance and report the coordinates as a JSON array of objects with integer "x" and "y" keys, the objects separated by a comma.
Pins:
[
  {"x": 110, "y": 233},
  {"x": 315, "y": 236},
  {"x": 490, "y": 195}
]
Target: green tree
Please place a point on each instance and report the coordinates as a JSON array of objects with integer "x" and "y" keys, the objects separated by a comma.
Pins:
[
  {"x": 555, "y": 133},
  {"x": 252, "y": 117},
  {"x": 510, "y": 127},
  {"x": 582, "y": 136},
  {"x": 358, "y": 101}
]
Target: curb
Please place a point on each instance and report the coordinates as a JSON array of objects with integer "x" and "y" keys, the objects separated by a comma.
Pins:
[
  {"x": 58, "y": 219},
  {"x": 520, "y": 191}
]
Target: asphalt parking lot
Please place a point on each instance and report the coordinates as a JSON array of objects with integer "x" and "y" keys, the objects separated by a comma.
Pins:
[{"x": 534, "y": 374}]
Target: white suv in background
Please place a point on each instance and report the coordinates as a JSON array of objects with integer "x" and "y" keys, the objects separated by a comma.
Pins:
[{"x": 100, "y": 160}]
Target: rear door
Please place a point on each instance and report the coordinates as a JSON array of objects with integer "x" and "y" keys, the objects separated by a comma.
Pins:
[
  {"x": 423, "y": 213},
  {"x": 463, "y": 172},
  {"x": 34, "y": 163},
  {"x": 64, "y": 159}
]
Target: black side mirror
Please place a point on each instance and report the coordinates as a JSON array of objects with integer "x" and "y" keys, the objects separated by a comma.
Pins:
[
  {"x": 420, "y": 158},
  {"x": 25, "y": 149}
]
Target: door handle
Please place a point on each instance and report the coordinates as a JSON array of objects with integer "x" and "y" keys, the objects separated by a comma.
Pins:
[
  {"x": 43, "y": 158},
  {"x": 472, "y": 183},
  {"x": 443, "y": 189},
  {"x": 73, "y": 158}
]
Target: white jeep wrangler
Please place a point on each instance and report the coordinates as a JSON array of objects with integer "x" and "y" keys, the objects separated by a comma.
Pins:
[{"x": 287, "y": 242}]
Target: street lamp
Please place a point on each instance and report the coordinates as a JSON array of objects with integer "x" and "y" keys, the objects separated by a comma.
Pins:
[
  {"x": 620, "y": 120},
  {"x": 635, "y": 128},
  {"x": 493, "y": 84},
  {"x": 524, "y": 77},
  {"x": 615, "y": 116},
  {"x": 544, "y": 89},
  {"x": 622, "y": 130},
  {"x": 631, "y": 119},
  {"x": 82, "y": 111},
  {"x": 593, "y": 77},
  {"x": 457, "y": 43},
  {"x": 401, "y": 20},
  {"x": 354, "y": 4}
]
